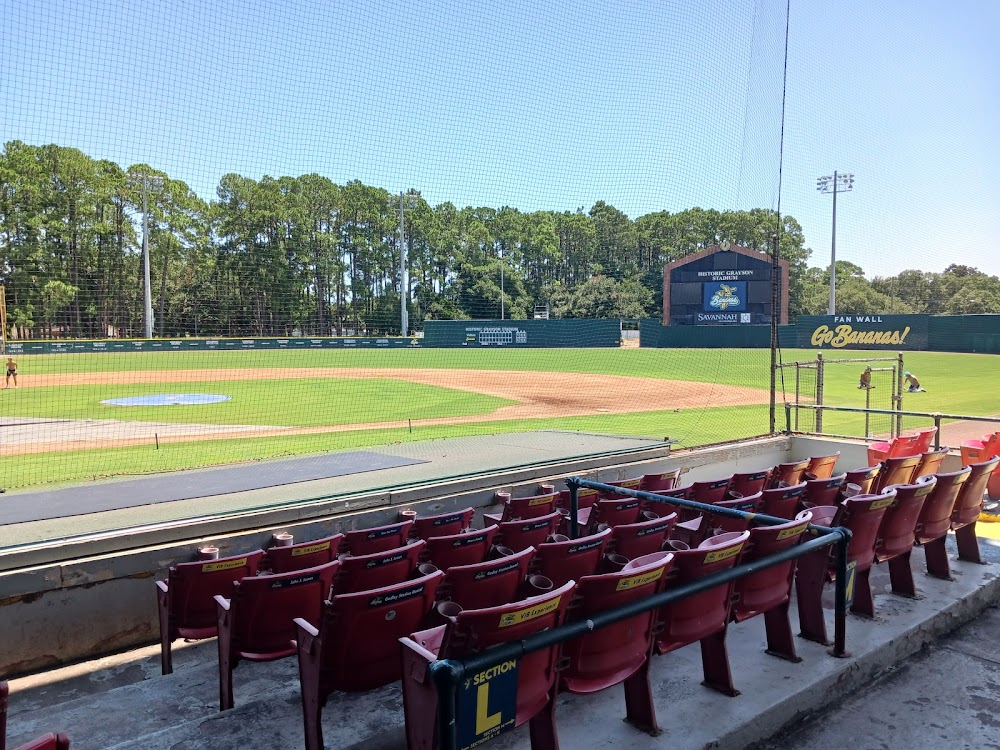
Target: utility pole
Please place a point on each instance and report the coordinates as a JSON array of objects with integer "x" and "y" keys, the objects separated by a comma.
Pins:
[
  {"x": 838, "y": 183},
  {"x": 157, "y": 181},
  {"x": 404, "y": 267}
]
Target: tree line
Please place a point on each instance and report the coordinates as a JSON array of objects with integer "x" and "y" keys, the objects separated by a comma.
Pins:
[{"x": 304, "y": 255}]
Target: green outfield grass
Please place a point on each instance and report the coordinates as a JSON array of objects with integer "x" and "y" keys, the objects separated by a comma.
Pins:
[{"x": 956, "y": 383}]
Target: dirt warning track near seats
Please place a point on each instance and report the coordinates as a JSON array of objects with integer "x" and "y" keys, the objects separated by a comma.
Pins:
[{"x": 539, "y": 395}]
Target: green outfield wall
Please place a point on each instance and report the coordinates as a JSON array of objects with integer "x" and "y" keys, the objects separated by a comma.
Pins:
[
  {"x": 218, "y": 344},
  {"x": 542, "y": 334}
]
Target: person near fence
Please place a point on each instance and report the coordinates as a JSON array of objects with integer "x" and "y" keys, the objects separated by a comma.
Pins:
[
  {"x": 11, "y": 372},
  {"x": 866, "y": 378},
  {"x": 913, "y": 383}
]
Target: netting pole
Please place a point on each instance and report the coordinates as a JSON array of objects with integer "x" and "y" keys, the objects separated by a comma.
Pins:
[
  {"x": 3, "y": 320},
  {"x": 868, "y": 405},
  {"x": 819, "y": 393},
  {"x": 899, "y": 394},
  {"x": 797, "y": 394},
  {"x": 774, "y": 328}
]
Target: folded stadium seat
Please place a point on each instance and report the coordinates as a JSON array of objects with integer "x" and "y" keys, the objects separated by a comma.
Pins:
[
  {"x": 612, "y": 512},
  {"x": 633, "y": 483},
  {"x": 968, "y": 505},
  {"x": 788, "y": 473},
  {"x": 585, "y": 497},
  {"x": 521, "y": 508},
  {"x": 661, "y": 482},
  {"x": 487, "y": 584},
  {"x": 466, "y": 548},
  {"x": 256, "y": 621},
  {"x": 703, "y": 617},
  {"x": 185, "y": 601},
  {"x": 934, "y": 522},
  {"x": 48, "y": 741},
  {"x": 617, "y": 653},
  {"x": 894, "y": 542},
  {"x": 570, "y": 559},
  {"x": 708, "y": 492},
  {"x": 472, "y": 631},
  {"x": 930, "y": 463},
  {"x": 303, "y": 555},
  {"x": 862, "y": 514},
  {"x": 977, "y": 451},
  {"x": 781, "y": 502},
  {"x": 644, "y": 538},
  {"x": 821, "y": 467},
  {"x": 377, "y": 539},
  {"x": 768, "y": 592},
  {"x": 898, "y": 470},
  {"x": 363, "y": 572},
  {"x": 748, "y": 483},
  {"x": 824, "y": 491},
  {"x": 925, "y": 437},
  {"x": 519, "y": 535},
  {"x": 904, "y": 445},
  {"x": 443, "y": 524},
  {"x": 697, "y": 530},
  {"x": 353, "y": 647},
  {"x": 864, "y": 478}
]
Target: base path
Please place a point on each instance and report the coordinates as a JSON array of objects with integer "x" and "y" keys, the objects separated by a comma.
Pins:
[{"x": 539, "y": 395}]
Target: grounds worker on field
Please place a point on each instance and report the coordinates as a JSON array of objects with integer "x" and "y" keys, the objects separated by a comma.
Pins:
[
  {"x": 11, "y": 372},
  {"x": 914, "y": 383}
]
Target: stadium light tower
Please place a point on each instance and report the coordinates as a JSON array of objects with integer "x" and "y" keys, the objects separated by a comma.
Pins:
[
  {"x": 146, "y": 179},
  {"x": 407, "y": 202},
  {"x": 838, "y": 183}
]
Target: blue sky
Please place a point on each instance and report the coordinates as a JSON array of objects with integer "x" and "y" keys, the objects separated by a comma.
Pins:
[{"x": 647, "y": 105}]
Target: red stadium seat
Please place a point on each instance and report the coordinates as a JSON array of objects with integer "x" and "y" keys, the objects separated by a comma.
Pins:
[
  {"x": 629, "y": 484},
  {"x": 930, "y": 463},
  {"x": 354, "y": 649},
  {"x": 363, "y": 572},
  {"x": 466, "y": 548},
  {"x": 48, "y": 741},
  {"x": 898, "y": 447},
  {"x": 571, "y": 559},
  {"x": 788, "y": 474},
  {"x": 644, "y": 538},
  {"x": 896, "y": 533},
  {"x": 862, "y": 514},
  {"x": 703, "y": 617},
  {"x": 661, "y": 482},
  {"x": 487, "y": 584},
  {"x": 824, "y": 491},
  {"x": 864, "y": 478},
  {"x": 821, "y": 467},
  {"x": 617, "y": 653},
  {"x": 585, "y": 497},
  {"x": 612, "y": 512},
  {"x": 978, "y": 451},
  {"x": 522, "y": 508},
  {"x": 256, "y": 622},
  {"x": 768, "y": 592},
  {"x": 935, "y": 520},
  {"x": 444, "y": 524},
  {"x": 303, "y": 555},
  {"x": 185, "y": 600},
  {"x": 896, "y": 471},
  {"x": 377, "y": 539},
  {"x": 925, "y": 437},
  {"x": 519, "y": 535},
  {"x": 695, "y": 531},
  {"x": 476, "y": 630},
  {"x": 781, "y": 502},
  {"x": 968, "y": 506},
  {"x": 748, "y": 483}
]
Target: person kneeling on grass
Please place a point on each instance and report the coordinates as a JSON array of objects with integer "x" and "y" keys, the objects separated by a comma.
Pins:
[{"x": 914, "y": 384}]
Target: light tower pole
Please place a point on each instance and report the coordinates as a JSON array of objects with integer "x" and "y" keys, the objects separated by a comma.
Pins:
[
  {"x": 404, "y": 266},
  {"x": 146, "y": 179},
  {"x": 838, "y": 183}
]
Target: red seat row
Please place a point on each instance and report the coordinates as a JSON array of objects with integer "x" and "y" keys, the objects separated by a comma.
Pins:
[{"x": 49, "y": 741}]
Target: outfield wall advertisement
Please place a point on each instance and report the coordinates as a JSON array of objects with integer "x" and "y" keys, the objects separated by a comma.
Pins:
[
  {"x": 895, "y": 332},
  {"x": 164, "y": 345}
]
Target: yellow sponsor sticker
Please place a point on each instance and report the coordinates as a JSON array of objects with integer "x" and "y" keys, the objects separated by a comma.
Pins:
[
  {"x": 882, "y": 503},
  {"x": 586, "y": 492},
  {"x": 310, "y": 549},
  {"x": 543, "y": 500},
  {"x": 529, "y": 613},
  {"x": 227, "y": 565},
  {"x": 640, "y": 580},
  {"x": 792, "y": 531},
  {"x": 723, "y": 554}
]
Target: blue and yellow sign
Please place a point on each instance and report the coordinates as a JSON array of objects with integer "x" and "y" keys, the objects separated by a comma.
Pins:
[
  {"x": 862, "y": 332},
  {"x": 725, "y": 296},
  {"x": 487, "y": 704}
]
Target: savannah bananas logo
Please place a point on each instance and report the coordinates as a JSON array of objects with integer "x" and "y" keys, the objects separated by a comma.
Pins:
[{"x": 725, "y": 297}]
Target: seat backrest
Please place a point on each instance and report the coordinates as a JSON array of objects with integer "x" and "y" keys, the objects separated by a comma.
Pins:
[
  {"x": 487, "y": 584},
  {"x": 632, "y": 483},
  {"x": 519, "y": 535},
  {"x": 969, "y": 502},
  {"x": 935, "y": 516},
  {"x": 360, "y": 632},
  {"x": 824, "y": 491},
  {"x": 304, "y": 555},
  {"x": 930, "y": 463},
  {"x": 821, "y": 467},
  {"x": 644, "y": 538},
  {"x": 363, "y": 572},
  {"x": 905, "y": 445},
  {"x": 789, "y": 473},
  {"x": 896, "y": 471},
  {"x": 863, "y": 477},
  {"x": 991, "y": 445},
  {"x": 479, "y": 629},
  {"x": 781, "y": 502},
  {"x": 585, "y": 497},
  {"x": 443, "y": 524},
  {"x": 378, "y": 538},
  {"x": 262, "y": 607},
  {"x": 695, "y": 617},
  {"x": 925, "y": 437},
  {"x": 193, "y": 586},
  {"x": 533, "y": 506},
  {"x": 768, "y": 588},
  {"x": 572, "y": 559},
  {"x": 749, "y": 482},
  {"x": 710, "y": 492},
  {"x": 615, "y": 511},
  {"x": 466, "y": 548},
  {"x": 747, "y": 504},
  {"x": 660, "y": 482},
  {"x": 895, "y": 534},
  {"x": 607, "y": 656},
  {"x": 862, "y": 514}
]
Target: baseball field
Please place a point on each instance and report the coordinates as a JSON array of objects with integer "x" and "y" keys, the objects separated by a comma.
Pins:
[{"x": 56, "y": 426}]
